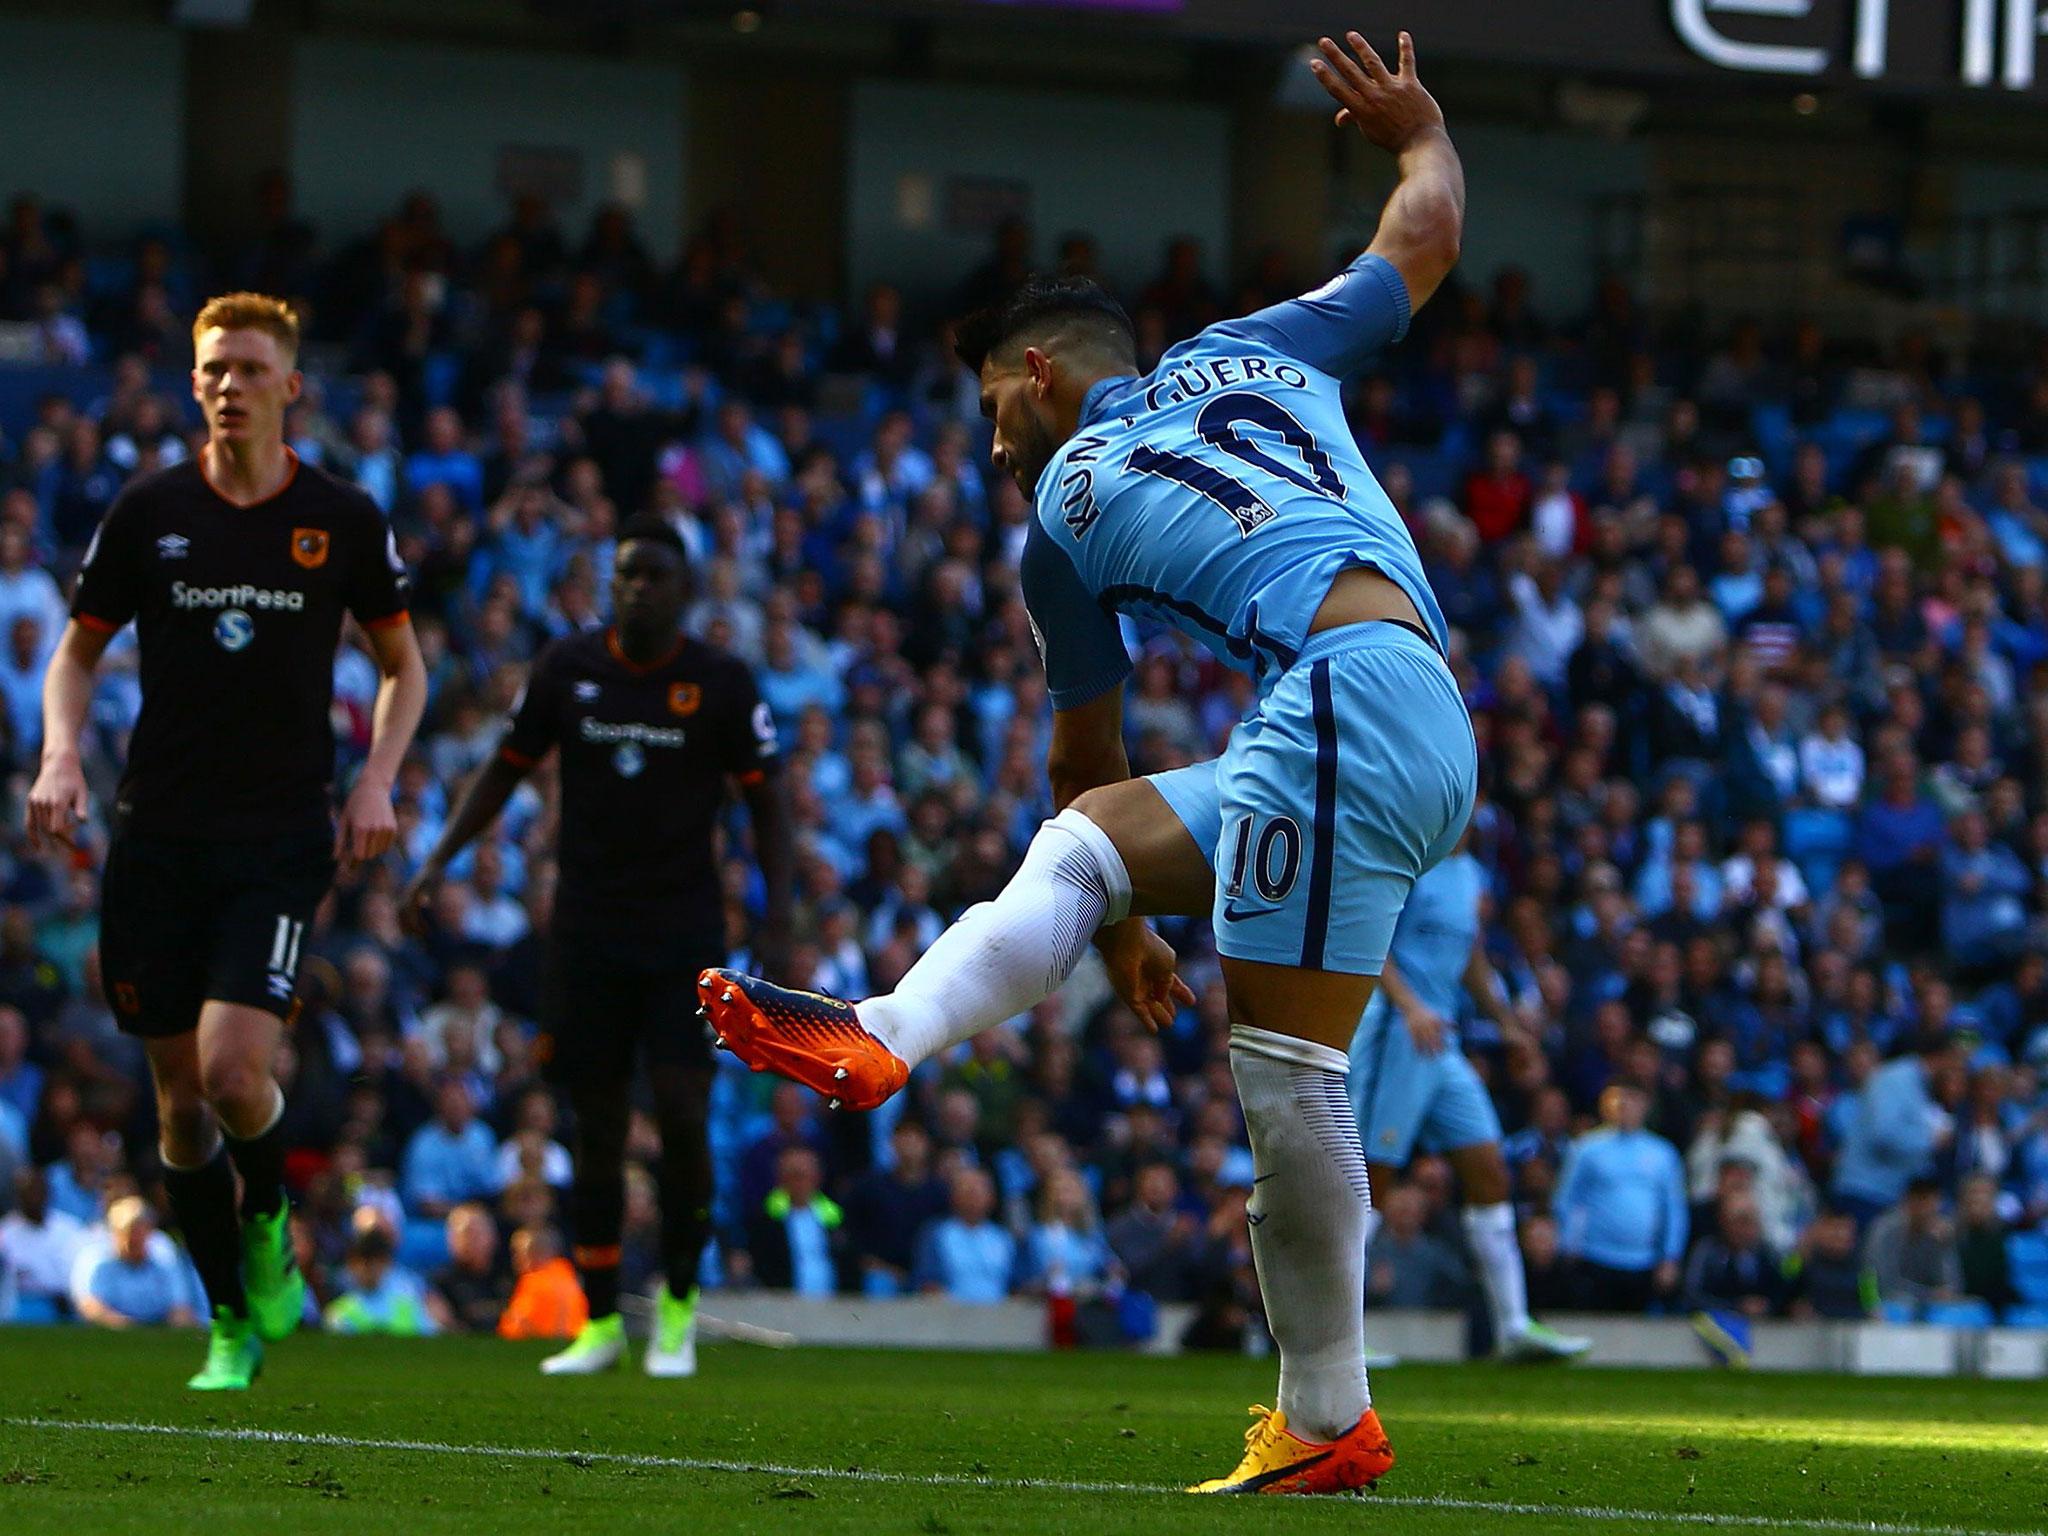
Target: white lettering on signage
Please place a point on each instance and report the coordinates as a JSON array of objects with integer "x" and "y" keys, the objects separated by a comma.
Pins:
[{"x": 2000, "y": 40}]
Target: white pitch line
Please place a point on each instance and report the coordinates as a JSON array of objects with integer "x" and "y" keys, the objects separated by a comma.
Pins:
[{"x": 1696, "y": 1518}]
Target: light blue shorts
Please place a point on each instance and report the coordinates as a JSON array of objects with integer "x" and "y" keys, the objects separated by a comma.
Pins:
[
  {"x": 1405, "y": 1100},
  {"x": 1355, "y": 774}
]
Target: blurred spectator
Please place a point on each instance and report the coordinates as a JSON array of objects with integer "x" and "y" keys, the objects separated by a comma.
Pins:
[
  {"x": 450, "y": 1159},
  {"x": 1155, "y": 1240},
  {"x": 1983, "y": 896},
  {"x": 1407, "y": 1266},
  {"x": 795, "y": 1236},
  {"x": 1621, "y": 1208},
  {"x": 21, "y": 1080},
  {"x": 1982, "y": 1259},
  {"x": 887, "y": 1209},
  {"x": 790, "y": 1125},
  {"x": 382, "y": 1296},
  {"x": 547, "y": 1302},
  {"x": 1065, "y": 1252},
  {"x": 1498, "y": 496},
  {"x": 1546, "y": 1271},
  {"x": 39, "y": 1246},
  {"x": 1733, "y": 1268},
  {"x": 1912, "y": 1251},
  {"x": 134, "y": 1278},
  {"x": 1744, "y": 1138},
  {"x": 965, "y": 1255},
  {"x": 531, "y": 1150},
  {"x": 473, "y": 1288},
  {"x": 1894, "y": 1125},
  {"x": 78, "y": 1184},
  {"x": 467, "y": 1012},
  {"x": 1828, "y": 1275}
]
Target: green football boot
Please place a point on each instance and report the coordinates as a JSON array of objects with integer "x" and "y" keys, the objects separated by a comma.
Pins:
[
  {"x": 600, "y": 1346},
  {"x": 673, "y": 1349},
  {"x": 270, "y": 1274},
  {"x": 234, "y": 1355}
]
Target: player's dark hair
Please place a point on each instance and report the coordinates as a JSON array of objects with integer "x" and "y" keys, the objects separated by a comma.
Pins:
[
  {"x": 645, "y": 527},
  {"x": 1040, "y": 307}
]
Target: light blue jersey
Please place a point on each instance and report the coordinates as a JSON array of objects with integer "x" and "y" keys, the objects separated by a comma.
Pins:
[
  {"x": 1438, "y": 928},
  {"x": 1402, "y": 1097},
  {"x": 1221, "y": 494}
]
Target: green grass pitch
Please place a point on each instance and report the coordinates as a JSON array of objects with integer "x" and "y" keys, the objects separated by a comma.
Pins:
[{"x": 363, "y": 1436}]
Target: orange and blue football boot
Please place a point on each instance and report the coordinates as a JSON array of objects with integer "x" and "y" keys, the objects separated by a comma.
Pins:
[
  {"x": 1276, "y": 1460},
  {"x": 817, "y": 1041}
]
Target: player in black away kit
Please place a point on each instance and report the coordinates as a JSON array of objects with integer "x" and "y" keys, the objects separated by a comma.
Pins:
[
  {"x": 236, "y": 567},
  {"x": 650, "y": 726}
]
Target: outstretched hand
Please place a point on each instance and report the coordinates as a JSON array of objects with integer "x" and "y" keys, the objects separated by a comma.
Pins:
[
  {"x": 1391, "y": 108},
  {"x": 1141, "y": 973}
]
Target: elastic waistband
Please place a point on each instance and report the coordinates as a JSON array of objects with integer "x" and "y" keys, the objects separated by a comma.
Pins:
[{"x": 1367, "y": 634}]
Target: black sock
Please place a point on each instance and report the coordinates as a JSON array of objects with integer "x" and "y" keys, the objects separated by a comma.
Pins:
[
  {"x": 260, "y": 1161},
  {"x": 600, "y": 1281},
  {"x": 680, "y": 1100},
  {"x": 597, "y": 1196},
  {"x": 203, "y": 1200}
]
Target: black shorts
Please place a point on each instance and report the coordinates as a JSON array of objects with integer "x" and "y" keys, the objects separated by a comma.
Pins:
[
  {"x": 609, "y": 998},
  {"x": 184, "y": 922}
]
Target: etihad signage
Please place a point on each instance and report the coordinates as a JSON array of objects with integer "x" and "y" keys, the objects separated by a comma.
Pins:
[
  {"x": 1998, "y": 42},
  {"x": 1988, "y": 48}
]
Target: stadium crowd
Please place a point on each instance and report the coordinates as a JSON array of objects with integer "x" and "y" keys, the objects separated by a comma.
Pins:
[{"x": 1753, "y": 627}]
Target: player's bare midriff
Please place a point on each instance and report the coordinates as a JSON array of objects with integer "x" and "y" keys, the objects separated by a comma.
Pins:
[{"x": 1361, "y": 595}]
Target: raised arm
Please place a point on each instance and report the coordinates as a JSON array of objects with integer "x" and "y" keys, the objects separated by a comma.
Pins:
[{"x": 1424, "y": 220}]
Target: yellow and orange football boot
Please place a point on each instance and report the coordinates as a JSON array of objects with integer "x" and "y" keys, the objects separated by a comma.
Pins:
[
  {"x": 1279, "y": 1461},
  {"x": 817, "y": 1041}
]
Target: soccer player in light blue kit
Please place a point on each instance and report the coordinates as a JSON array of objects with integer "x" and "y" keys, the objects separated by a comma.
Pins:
[
  {"x": 1411, "y": 1086},
  {"x": 1221, "y": 494}
]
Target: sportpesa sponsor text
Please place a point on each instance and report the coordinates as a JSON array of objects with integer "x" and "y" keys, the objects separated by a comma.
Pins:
[
  {"x": 183, "y": 596},
  {"x": 646, "y": 735}
]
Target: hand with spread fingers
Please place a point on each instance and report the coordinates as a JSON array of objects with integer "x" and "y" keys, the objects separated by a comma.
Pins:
[
  {"x": 1141, "y": 973},
  {"x": 1391, "y": 108}
]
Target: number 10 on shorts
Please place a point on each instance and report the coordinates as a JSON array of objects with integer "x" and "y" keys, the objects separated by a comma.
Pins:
[{"x": 1273, "y": 864}]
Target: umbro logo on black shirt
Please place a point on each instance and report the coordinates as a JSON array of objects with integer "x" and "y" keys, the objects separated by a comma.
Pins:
[{"x": 237, "y": 652}]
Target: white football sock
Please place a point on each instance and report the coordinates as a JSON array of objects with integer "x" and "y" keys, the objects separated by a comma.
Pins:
[
  {"x": 1490, "y": 1229},
  {"x": 1009, "y": 954},
  {"x": 1308, "y": 1213},
  {"x": 1370, "y": 1227}
]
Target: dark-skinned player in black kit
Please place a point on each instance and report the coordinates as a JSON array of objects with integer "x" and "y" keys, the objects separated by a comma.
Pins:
[{"x": 650, "y": 727}]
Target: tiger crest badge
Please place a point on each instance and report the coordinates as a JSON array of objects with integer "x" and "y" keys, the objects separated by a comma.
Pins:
[{"x": 309, "y": 547}]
